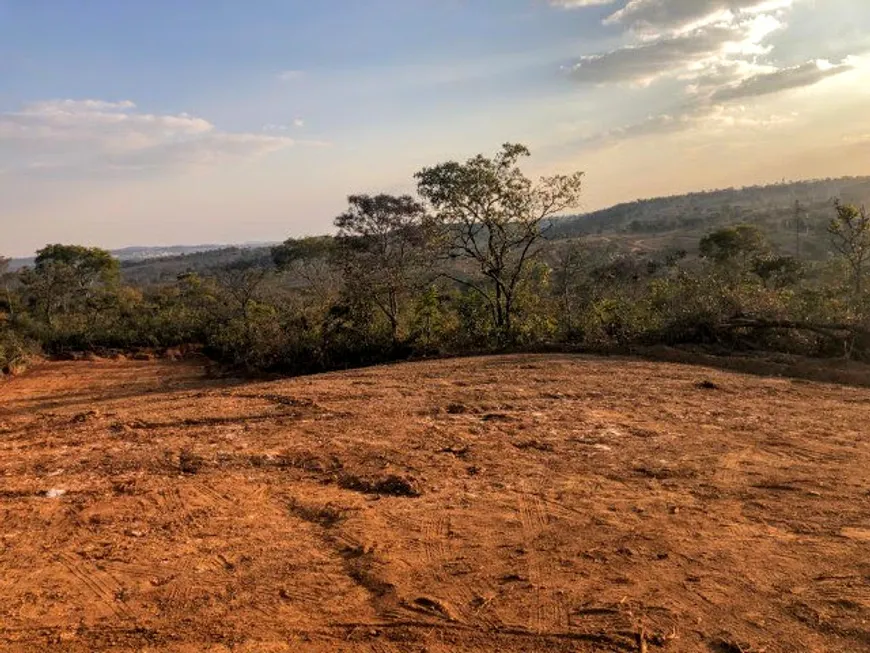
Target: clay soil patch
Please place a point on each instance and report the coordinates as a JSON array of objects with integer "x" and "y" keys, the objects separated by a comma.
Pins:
[{"x": 520, "y": 503}]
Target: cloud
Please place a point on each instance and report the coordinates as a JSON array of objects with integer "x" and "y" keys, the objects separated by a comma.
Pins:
[
  {"x": 711, "y": 119},
  {"x": 647, "y": 61},
  {"x": 576, "y": 4},
  {"x": 291, "y": 75},
  {"x": 676, "y": 15},
  {"x": 722, "y": 52},
  {"x": 653, "y": 16},
  {"x": 298, "y": 123},
  {"x": 100, "y": 135},
  {"x": 718, "y": 45},
  {"x": 666, "y": 123},
  {"x": 783, "y": 79}
]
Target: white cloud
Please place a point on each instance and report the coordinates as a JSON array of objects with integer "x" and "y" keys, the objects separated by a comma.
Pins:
[
  {"x": 666, "y": 123},
  {"x": 298, "y": 123},
  {"x": 576, "y": 4},
  {"x": 721, "y": 50},
  {"x": 291, "y": 75},
  {"x": 709, "y": 120},
  {"x": 718, "y": 45},
  {"x": 677, "y": 15},
  {"x": 647, "y": 61},
  {"x": 87, "y": 135}
]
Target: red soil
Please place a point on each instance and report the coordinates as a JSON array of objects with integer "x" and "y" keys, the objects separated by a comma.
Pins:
[{"x": 525, "y": 503}]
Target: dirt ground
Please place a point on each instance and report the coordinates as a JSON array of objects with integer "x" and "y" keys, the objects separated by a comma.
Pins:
[{"x": 522, "y": 503}]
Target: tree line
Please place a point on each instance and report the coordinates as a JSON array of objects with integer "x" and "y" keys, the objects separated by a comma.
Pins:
[{"x": 466, "y": 265}]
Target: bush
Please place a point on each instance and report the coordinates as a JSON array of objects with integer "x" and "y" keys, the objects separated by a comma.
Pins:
[{"x": 15, "y": 351}]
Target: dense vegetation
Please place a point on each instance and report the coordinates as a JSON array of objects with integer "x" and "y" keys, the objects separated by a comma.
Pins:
[
  {"x": 794, "y": 216},
  {"x": 478, "y": 261}
]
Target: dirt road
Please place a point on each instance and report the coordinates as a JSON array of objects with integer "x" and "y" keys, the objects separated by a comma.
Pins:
[{"x": 535, "y": 503}]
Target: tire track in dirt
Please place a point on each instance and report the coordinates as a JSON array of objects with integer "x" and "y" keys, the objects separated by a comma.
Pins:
[
  {"x": 494, "y": 539},
  {"x": 549, "y": 612},
  {"x": 344, "y": 562},
  {"x": 463, "y": 604},
  {"x": 102, "y": 585},
  {"x": 211, "y": 495},
  {"x": 196, "y": 505}
]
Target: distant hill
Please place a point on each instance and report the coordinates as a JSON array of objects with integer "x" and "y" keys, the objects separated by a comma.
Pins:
[
  {"x": 168, "y": 268},
  {"x": 793, "y": 215},
  {"x": 147, "y": 253},
  {"x": 131, "y": 256}
]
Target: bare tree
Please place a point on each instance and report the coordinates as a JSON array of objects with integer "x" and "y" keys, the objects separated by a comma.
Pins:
[
  {"x": 850, "y": 237},
  {"x": 242, "y": 282},
  {"x": 309, "y": 264},
  {"x": 495, "y": 216}
]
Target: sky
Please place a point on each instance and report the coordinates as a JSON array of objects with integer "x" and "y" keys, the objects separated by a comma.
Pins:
[{"x": 162, "y": 122}]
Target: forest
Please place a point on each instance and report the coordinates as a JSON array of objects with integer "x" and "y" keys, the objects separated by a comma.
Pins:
[{"x": 482, "y": 259}]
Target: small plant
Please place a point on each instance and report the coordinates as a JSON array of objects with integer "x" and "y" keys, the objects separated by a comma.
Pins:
[
  {"x": 391, "y": 485},
  {"x": 324, "y": 516},
  {"x": 189, "y": 462}
]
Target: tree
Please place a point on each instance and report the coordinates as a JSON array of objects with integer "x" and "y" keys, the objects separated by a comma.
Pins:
[
  {"x": 493, "y": 215},
  {"x": 295, "y": 250},
  {"x": 4, "y": 278},
  {"x": 850, "y": 237},
  {"x": 381, "y": 242},
  {"x": 242, "y": 282},
  {"x": 89, "y": 265},
  {"x": 570, "y": 273},
  {"x": 778, "y": 271},
  {"x": 65, "y": 278},
  {"x": 737, "y": 244},
  {"x": 308, "y": 262},
  {"x": 799, "y": 225}
]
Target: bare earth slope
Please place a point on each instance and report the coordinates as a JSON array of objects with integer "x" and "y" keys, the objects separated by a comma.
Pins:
[{"x": 555, "y": 503}]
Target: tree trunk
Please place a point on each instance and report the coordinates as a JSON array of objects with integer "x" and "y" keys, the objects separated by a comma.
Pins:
[
  {"x": 499, "y": 309},
  {"x": 508, "y": 318}
]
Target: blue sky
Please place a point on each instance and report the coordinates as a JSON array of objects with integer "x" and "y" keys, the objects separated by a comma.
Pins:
[{"x": 229, "y": 121}]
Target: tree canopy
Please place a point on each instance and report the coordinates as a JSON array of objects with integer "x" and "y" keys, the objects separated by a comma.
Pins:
[{"x": 491, "y": 213}]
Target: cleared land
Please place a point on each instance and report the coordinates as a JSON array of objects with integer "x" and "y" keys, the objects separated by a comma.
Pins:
[{"x": 534, "y": 503}]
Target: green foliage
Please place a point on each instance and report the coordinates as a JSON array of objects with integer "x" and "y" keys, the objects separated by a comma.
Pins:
[
  {"x": 477, "y": 274},
  {"x": 87, "y": 265},
  {"x": 779, "y": 271},
  {"x": 738, "y": 244},
  {"x": 15, "y": 350},
  {"x": 433, "y": 322},
  {"x": 490, "y": 213},
  {"x": 794, "y": 216},
  {"x": 535, "y": 320},
  {"x": 68, "y": 287},
  {"x": 298, "y": 250},
  {"x": 382, "y": 251}
]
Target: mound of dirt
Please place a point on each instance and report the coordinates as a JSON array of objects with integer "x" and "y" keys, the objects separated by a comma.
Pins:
[{"x": 519, "y": 503}]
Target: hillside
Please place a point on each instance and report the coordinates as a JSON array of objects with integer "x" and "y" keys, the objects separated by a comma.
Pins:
[
  {"x": 167, "y": 269},
  {"x": 792, "y": 214},
  {"x": 524, "y": 503},
  {"x": 155, "y": 256},
  {"x": 649, "y": 225}
]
